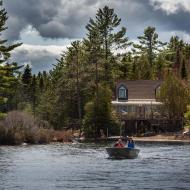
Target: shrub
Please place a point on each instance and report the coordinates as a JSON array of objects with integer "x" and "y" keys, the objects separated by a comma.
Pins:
[
  {"x": 20, "y": 127},
  {"x": 63, "y": 136},
  {"x": 175, "y": 96},
  {"x": 44, "y": 135},
  {"x": 2, "y": 115},
  {"x": 2, "y": 134}
]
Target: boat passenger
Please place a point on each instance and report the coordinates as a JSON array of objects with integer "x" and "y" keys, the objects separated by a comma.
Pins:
[
  {"x": 131, "y": 143},
  {"x": 119, "y": 144}
]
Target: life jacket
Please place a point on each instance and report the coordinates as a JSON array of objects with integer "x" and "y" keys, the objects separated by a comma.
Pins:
[
  {"x": 119, "y": 145},
  {"x": 131, "y": 145}
]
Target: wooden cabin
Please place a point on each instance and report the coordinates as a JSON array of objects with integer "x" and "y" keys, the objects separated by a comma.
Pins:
[{"x": 137, "y": 104}]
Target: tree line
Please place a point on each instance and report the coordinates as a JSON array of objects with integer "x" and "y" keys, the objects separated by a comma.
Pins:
[{"x": 78, "y": 91}]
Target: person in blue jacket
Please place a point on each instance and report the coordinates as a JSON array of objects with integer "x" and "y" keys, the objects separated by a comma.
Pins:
[{"x": 131, "y": 143}]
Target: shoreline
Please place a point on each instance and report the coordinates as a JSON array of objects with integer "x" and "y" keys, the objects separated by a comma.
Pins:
[
  {"x": 178, "y": 139},
  {"x": 165, "y": 138},
  {"x": 67, "y": 138},
  {"x": 161, "y": 140}
]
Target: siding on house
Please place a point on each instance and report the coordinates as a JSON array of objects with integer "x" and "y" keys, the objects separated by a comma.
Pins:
[
  {"x": 140, "y": 111},
  {"x": 140, "y": 101}
]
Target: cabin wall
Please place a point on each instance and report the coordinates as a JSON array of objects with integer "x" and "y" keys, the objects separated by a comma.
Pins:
[
  {"x": 138, "y": 119},
  {"x": 140, "y": 111},
  {"x": 150, "y": 126}
]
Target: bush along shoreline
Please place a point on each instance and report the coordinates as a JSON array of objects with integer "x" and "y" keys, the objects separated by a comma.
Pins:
[{"x": 21, "y": 127}]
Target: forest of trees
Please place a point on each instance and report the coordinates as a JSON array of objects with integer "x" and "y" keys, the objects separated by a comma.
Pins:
[{"x": 78, "y": 91}]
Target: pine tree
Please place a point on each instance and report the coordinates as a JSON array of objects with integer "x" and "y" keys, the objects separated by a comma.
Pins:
[
  {"x": 12, "y": 75},
  {"x": 26, "y": 81},
  {"x": 124, "y": 66},
  {"x": 175, "y": 46},
  {"x": 34, "y": 94},
  {"x": 100, "y": 116},
  {"x": 144, "y": 69},
  {"x": 75, "y": 51},
  {"x": 67, "y": 83},
  {"x": 161, "y": 65},
  {"x": 27, "y": 75},
  {"x": 7, "y": 69},
  {"x": 149, "y": 45},
  {"x": 178, "y": 55},
  {"x": 104, "y": 27},
  {"x": 134, "y": 75},
  {"x": 45, "y": 79},
  {"x": 183, "y": 70},
  {"x": 41, "y": 82}
]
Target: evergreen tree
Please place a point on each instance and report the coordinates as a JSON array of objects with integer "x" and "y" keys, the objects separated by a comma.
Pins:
[
  {"x": 34, "y": 94},
  {"x": 95, "y": 68},
  {"x": 134, "y": 71},
  {"x": 94, "y": 56},
  {"x": 7, "y": 69},
  {"x": 45, "y": 79},
  {"x": 12, "y": 74},
  {"x": 41, "y": 82},
  {"x": 100, "y": 117},
  {"x": 76, "y": 77},
  {"x": 67, "y": 82},
  {"x": 27, "y": 75},
  {"x": 183, "y": 70},
  {"x": 178, "y": 53},
  {"x": 149, "y": 45},
  {"x": 144, "y": 68},
  {"x": 49, "y": 108},
  {"x": 123, "y": 66},
  {"x": 104, "y": 27},
  {"x": 26, "y": 82},
  {"x": 78, "y": 87},
  {"x": 160, "y": 66},
  {"x": 175, "y": 49}
]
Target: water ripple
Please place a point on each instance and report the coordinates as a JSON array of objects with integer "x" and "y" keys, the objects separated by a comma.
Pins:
[{"x": 85, "y": 166}]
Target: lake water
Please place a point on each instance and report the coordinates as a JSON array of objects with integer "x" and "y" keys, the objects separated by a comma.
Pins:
[{"x": 86, "y": 166}]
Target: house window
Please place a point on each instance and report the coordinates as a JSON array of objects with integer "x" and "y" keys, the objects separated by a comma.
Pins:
[{"x": 123, "y": 93}]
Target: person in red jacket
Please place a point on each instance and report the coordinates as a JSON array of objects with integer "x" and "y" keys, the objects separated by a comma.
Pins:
[{"x": 119, "y": 144}]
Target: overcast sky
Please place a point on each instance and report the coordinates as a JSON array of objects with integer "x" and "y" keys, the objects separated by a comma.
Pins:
[{"x": 46, "y": 27}]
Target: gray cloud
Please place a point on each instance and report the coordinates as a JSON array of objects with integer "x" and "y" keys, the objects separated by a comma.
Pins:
[
  {"x": 39, "y": 57},
  {"x": 31, "y": 12},
  {"x": 42, "y": 60},
  {"x": 67, "y": 19},
  {"x": 55, "y": 19},
  {"x": 52, "y": 18},
  {"x": 172, "y": 7}
]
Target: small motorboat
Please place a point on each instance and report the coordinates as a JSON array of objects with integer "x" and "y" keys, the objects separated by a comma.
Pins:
[{"x": 122, "y": 153}]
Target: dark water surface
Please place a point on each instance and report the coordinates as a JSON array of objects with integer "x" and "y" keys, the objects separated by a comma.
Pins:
[{"x": 86, "y": 166}]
